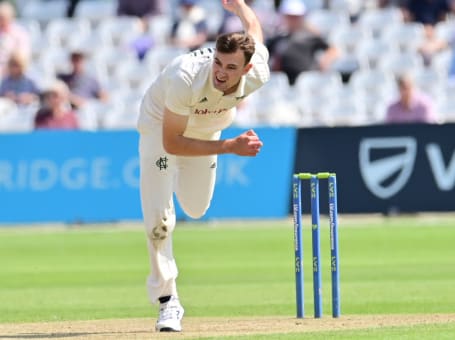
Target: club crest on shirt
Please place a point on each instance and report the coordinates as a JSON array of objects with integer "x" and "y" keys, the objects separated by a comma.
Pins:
[{"x": 161, "y": 163}]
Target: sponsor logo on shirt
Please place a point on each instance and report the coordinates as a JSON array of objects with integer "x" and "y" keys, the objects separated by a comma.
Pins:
[{"x": 209, "y": 112}]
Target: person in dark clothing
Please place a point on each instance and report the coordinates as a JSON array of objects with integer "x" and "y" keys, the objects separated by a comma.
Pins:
[
  {"x": 140, "y": 8},
  {"x": 300, "y": 47}
]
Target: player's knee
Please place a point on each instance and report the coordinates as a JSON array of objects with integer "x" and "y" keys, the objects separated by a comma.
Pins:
[
  {"x": 161, "y": 230},
  {"x": 194, "y": 207},
  {"x": 195, "y": 211},
  {"x": 158, "y": 232}
]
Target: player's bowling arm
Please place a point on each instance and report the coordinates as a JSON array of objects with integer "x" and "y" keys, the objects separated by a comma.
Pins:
[{"x": 175, "y": 143}]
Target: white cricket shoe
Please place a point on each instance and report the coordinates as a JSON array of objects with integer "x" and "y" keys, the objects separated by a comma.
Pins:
[{"x": 171, "y": 314}]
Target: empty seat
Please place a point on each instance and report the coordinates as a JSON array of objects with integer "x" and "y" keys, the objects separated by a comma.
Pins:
[
  {"x": 96, "y": 10},
  {"x": 372, "y": 51},
  {"x": 371, "y": 80},
  {"x": 133, "y": 75},
  {"x": 312, "y": 5},
  {"x": 274, "y": 111},
  {"x": 345, "y": 110},
  {"x": 121, "y": 31},
  {"x": 32, "y": 26},
  {"x": 326, "y": 20},
  {"x": 441, "y": 61},
  {"x": 396, "y": 63},
  {"x": 277, "y": 86},
  {"x": 159, "y": 28},
  {"x": 315, "y": 83},
  {"x": 113, "y": 58},
  {"x": 122, "y": 117},
  {"x": 377, "y": 21},
  {"x": 408, "y": 37},
  {"x": 349, "y": 38},
  {"x": 159, "y": 56},
  {"x": 60, "y": 31},
  {"x": 214, "y": 15},
  {"x": 89, "y": 44},
  {"x": 445, "y": 30},
  {"x": 430, "y": 80},
  {"x": 42, "y": 10},
  {"x": 88, "y": 115},
  {"x": 446, "y": 109},
  {"x": 377, "y": 89},
  {"x": 56, "y": 60},
  {"x": 14, "y": 118}
]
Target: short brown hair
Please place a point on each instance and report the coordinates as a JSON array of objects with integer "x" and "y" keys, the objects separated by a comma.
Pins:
[{"x": 231, "y": 42}]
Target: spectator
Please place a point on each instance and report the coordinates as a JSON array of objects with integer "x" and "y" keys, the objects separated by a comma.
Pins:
[
  {"x": 142, "y": 43},
  {"x": 71, "y": 9},
  {"x": 55, "y": 111},
  {"x": 189, "y": 29},
  {"x": 437, "y": 43},
  {"x": 300, "y": 47},
  {"x": 82, "y": 85},
  {"x": 13, "y": 37},
  {"x": 427, "y": 12},
  {"x": 389, "y": 3},
  {"x": 140, "y": 8},
  {"x": 412, "y": 105},
  {"x": 16, "y": 85},
  {"x": 432, "y": 45}
]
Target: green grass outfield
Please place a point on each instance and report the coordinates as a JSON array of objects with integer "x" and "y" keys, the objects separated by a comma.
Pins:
[{"x": 400, "y": 265}]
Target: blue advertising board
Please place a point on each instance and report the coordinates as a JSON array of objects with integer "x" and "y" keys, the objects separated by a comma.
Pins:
[
  {"x": 384, "y": 168},
  {"x": 63, "y": 176},
  {"x": 68, "y": 176}
]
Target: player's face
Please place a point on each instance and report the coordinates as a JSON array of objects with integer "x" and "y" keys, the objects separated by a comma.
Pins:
[{"x": 228, "y": 68}]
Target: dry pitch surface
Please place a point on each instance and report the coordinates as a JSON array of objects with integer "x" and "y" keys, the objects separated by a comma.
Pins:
[{"x": 209, "y": 327}]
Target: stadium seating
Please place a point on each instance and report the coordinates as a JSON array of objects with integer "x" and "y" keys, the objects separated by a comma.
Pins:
[
  {"x": 379, "y": 43},
  {"x": 14, "y": 118}
]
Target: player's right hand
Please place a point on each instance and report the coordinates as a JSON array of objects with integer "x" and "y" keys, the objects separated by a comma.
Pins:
[{"x": 246, "y": 144}]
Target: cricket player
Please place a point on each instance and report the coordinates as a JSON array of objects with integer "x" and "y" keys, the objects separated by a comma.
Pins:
[{"x": 182, "y": 115}]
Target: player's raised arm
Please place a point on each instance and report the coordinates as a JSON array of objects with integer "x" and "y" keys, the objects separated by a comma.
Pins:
[{"x": 249, "y": 19}]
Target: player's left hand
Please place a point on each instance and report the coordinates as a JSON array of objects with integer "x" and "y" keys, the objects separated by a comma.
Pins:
[{"x": 232, "y": 5}]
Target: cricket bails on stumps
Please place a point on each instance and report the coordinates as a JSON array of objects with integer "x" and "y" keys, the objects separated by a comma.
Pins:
[{"x": 316, "y": 252}]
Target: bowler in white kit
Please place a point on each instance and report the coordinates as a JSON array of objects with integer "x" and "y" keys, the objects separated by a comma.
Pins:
[{"x": 182, "y": 115}]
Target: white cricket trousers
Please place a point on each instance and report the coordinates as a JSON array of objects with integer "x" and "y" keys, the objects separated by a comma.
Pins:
[{"x": 161, "y": 174}]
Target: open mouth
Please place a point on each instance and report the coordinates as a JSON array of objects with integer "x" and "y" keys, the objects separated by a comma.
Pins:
[{"x": 220, "y": 81}]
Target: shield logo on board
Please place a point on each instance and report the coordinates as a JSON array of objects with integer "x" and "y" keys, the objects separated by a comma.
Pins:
[{"x": 386, "y": 163}]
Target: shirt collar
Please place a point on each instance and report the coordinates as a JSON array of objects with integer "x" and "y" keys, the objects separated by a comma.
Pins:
[{"x": 240, "y": 92}]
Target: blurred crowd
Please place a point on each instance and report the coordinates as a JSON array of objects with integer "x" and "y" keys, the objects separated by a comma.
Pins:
[{"x": 85, "y": 64}]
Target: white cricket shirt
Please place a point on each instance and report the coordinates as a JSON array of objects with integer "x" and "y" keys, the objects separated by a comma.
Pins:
[{"x": 185, "y": 87}]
